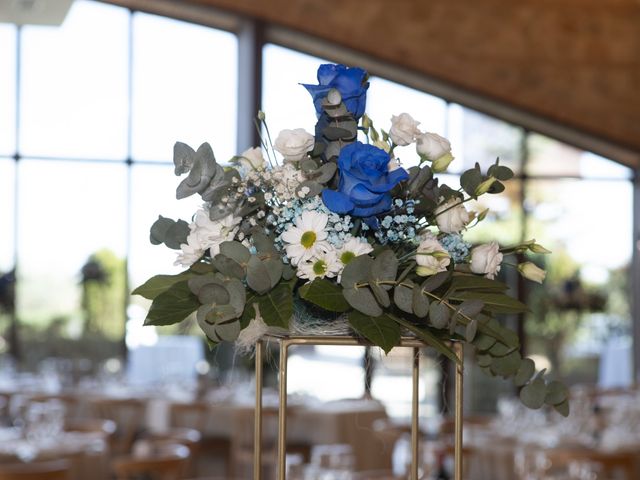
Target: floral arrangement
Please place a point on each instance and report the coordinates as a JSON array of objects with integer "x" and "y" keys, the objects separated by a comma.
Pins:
[{"x": 332, "y": 222}]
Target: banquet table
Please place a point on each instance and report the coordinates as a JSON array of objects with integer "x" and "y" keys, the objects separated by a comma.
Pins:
[{"x": 87, "y": 452}]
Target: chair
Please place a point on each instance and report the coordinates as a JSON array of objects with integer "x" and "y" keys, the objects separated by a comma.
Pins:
[
  {"x": 128, "y": 415},
  {"x": 166, "y": 463},
  {"x": 91, "y": 425},
  {"x": 54, "y": 470},
  {"x": 188, "y": 437}
]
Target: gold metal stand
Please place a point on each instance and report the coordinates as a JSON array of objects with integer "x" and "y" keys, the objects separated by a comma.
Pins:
[{"x": 286, "y": 341}]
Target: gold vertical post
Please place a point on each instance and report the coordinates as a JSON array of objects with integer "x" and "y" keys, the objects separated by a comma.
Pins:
[
  {"x": 415, "y": 426},
  {"x": 282, "y": 411},
  {"x": 458, "y": 411},
  {"x": 257, "y": 415}
]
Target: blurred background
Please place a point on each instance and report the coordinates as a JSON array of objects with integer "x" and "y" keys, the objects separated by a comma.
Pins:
[{"x": 90, "y": 108}]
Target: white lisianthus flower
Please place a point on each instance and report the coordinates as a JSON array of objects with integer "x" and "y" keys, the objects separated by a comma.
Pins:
[
  {"x": 307, "y": 238},
  {"x": 431, "y": 257},
  {"x": 211, "y": 234},
  {"x": 531, "y": 271},
  {"x": 252, "y": 159},
  {"x": 294, "y": 144},
  {"x": 190, "y": 252},
  {"x": 434, "y": 148},
  {"x": 404, "y": 129},
  {"x": 451, "y": 216},
  {"x": 325, "y": 264},
  {"x": 486, "y": 259}
]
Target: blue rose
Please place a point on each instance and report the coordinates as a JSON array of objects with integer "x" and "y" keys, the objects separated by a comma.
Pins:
[
  {"x": 365, "y": 182},
  {"x": 350, "y": 82}
]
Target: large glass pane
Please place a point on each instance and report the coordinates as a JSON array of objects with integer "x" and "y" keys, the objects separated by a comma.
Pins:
[
  {"x": 476, "y": 137},
  {"x": 184, "y": 88},
  {"x": 386, "y": 98},
  {"x": 72, "y": 246},
  {"x": 581, "y": 313},
  {"x": 286, "y": 103},
  {"x": 7, "y": 220},
  {"x": 7, "y": 89},
  {"x": 74, "y": 85},
  {"x": 550, "y": 158},
  {"x": 152, "y": 194}
]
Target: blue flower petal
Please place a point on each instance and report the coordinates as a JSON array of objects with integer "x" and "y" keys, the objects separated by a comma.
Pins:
[
  {"x": 336, "y": 201},
  {"x": 382, "y": 206},
  {"x": 361, "y": 196}
]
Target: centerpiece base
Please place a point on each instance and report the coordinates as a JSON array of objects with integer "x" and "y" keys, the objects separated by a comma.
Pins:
[{"x": 285, "y": 341}]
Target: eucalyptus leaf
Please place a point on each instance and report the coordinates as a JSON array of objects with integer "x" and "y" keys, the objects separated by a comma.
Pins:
[
  {"x": 484, "y": 342},
  {"x": 362, "y": 300},
  {"x": 435, "y": 281},
  {"x": 419, "y": 303},
  {"x": 484, "y": 360},
  {"x": 534, "y": 393},
  {"x": 228, "y": 266},
  {"x": 439, "y": 315},
  {"x": 493, "y": 302},
  {"x": 381, "y": 294},
  {"x": 274, "y": 269},
  {"x": 471, "y": 330},
  {"x": 356, "y": 271},
  {"x": 213, "y": 293},
  {"x": 236, "y": 251},
  {"x": 403, "y": 296},
  {"x": 473, "y": 282},
  {"x": 508, "y": 365},
  {"x": 326, "y": 172},
  {"x": 556, "y": 393},
  {"x": 159, "y": 229},
  {"x": 525, "y": 372},
  {"x": 563, "y": 408},
  {"x": 258, "y": 277},
  {"x": 385, "y": 268},
  {"x": 470, "y": 308},
  {"x": 177, "y": 234}
]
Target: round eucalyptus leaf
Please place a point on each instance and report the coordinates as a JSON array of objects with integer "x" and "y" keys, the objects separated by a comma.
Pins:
[
  {"x": 419, "y": 302},
  {"x": 439, "y": 315},
  {"x": 356, "y": 271},
  {"x": 483, "y": 342},
  {"x": 381, "y": 294},
  {"x": 326, "y": 172},
  {"x": 556, "y": 393},
  {"x": 525, "y": 372},
  {"x": 236, "y": 251},
  {"x": 337, "y": 133},
  {"x": 228, "y": 331},
  {"x": 484, "y": 360},
  {"x": 199, "y": 281},
  {"x": 213, "y": 293},
  {"x": 508, "y": 365},
  {"x": 237, "y": 295},
  {"x": 332, "y": 149},
  {"x": 258, "y": 276},
  {"x": 362, "y": 300},
  {"x": 533, "y": 394},
  {"x": 471, "y": 308},
  {"x": 471, "y": 330},
  {"x": 563, "y": 408},
  {"x": 288, "y": 272},
  {"x": 385, "y": 268},
  {"x": 274, "y": 269},
  {"x": 499, "y": 349},
  {"x": 308, "y": 165},
  {"x": 403, "y": 297},
  {"x": 228, "y": 266}
]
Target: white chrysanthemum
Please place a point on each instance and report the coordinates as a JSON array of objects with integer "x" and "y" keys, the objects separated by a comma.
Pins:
[
  {"x": 324, "y": 265},
  {"x": 211, "y": 233},
  {"x": 353, "y": 248},
  {"x": 190, "y": 251},
  {"x": 307, "y": 238}
]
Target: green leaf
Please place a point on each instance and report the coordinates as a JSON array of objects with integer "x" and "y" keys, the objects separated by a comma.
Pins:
[
  {"x": 435, "y": 281},
  {"x": 381, "y": 294},
  {"x": 362, "y": 300},
  {"x": 563, "y": 408},
  {"x": 213, "y": 293},
  {"x": 276, "y": 307},
  {"x": 484, "y": 361},
  {"x": 403, "y": 297},
  {"x": 470, "y": 180},
  {"x": 470, "y": 308},
  {"x": 484, "y": 342},
  {"x": 419, "y": 302},
  {"x": 177, "y": 234},
  {"x": 159, "y": 229},
  {"x": 325, "y": 294},
  {"x": 228, "y": 266},
  {"x": 428, "y": 338},
  {"x": 381, "y": 331},
  {"x": 533, "y": 394},
  {"x": 493, "y": 302},
  {"x": 439, "y": 315},
  {"x": 556, "y": 393},
  {"x": 275, "y": 268},
  {"x": 471, "y": 330},
  {"x": 525, "y": 372},
  {"x": 172, "y": 306},
  {"x": 235, "y": 251},
  {"x": 258, "y": 276},
  {"x": 385, "y": 268},
  {"x": 473, "y": 282},
  {"x": 508, "y": 365},
  {"x": 356, "y": 271},
  {"x": 160, "y": 284}
]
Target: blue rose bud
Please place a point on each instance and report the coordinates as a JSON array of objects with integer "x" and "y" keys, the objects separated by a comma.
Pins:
[
  {"x": 365, "y": 182},
  {"x": 350, "y": 82}
]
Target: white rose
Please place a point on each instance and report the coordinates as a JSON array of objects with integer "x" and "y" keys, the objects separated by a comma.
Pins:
[
  {"x": 294, "y": 144},
  {"x": 451, "y": 216},
  {"x": 432, "y": 146},
  {"x": 404, "y": 129},
  {"x": 486, "y": 259},
  {"x": 431, "y": 257},
  {"x": 531, "y": 271},
  {"x": 252, "y": 159}
]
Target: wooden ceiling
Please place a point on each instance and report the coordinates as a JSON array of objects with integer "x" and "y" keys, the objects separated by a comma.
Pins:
[{"x": 574, "y": 62}]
